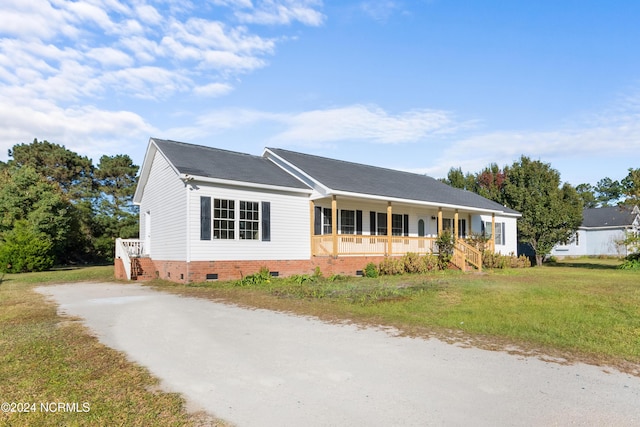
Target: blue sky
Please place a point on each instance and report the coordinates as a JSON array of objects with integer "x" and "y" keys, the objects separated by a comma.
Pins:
[{"x": 415, "y": 85}]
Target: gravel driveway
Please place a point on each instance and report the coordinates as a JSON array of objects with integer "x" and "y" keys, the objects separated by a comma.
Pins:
[{"x": 262, "y": 368}]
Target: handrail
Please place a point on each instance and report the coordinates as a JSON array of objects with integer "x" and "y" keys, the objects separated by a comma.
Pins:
[
  {"x": 126, "y": 249},
  {"x": 469, "y": 254},
  {"x": 123, "y": 254}
]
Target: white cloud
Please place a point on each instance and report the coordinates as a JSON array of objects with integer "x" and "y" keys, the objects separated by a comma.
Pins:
[
  {"x": 364, "y": 123},
  {"x": 148, "y": 14},
  {"x": 283, "y": 12},
  {"x": 324, "y": 127},
  {"x": 128, "y": 39},
  {"x": 213, "y": 90},
  {"x": 612, "y": 133},
  {"x": 379, "y": 10},
  {"x": 110, "y": 57},
  {"x": 148, "y": 82},
  {"x": 86, "y": 130}
]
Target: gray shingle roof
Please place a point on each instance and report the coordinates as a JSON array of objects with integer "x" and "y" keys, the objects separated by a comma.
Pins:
[
  {"x": 612, "y": 216},
  {"x": 216, "y": 163},
  {"x": 358, "y": 178}
]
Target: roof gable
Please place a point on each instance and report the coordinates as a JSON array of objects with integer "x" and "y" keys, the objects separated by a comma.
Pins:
[
  {"x": 338, "y": 175},
  {"x": 207, "y": 162}
]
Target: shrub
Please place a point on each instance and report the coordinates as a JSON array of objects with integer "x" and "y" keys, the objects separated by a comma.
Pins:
[
  {"x": 445, "y": 243},
  {"x": 302, "y": 278},
  {"x": 412, "y": 263},
  {"x": 259, "y": 278},
  {"x": 409, "y": 263},
  {"x": 429, "y": 263},
  {"x": 23, "y": 249},
  {"x": 391, "y": 266},
  {"x": 631, "y": 262},
  {"x": 496, "y": 260},
  {"x": 371, "y": 270}
]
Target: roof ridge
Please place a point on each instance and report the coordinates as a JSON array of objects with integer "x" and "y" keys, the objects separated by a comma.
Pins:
[
  {"x": 207, "y": 147},
  {"x": 352, "y": 163}
]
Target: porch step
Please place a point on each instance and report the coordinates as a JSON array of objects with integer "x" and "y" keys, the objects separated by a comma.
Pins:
[{"x": 142, "y": 269}]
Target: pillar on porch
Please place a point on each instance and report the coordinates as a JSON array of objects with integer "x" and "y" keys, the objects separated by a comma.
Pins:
[
  {"x": 312, "y": 212},
  {"x": 493, "y": 231},
  {"x": 334, "y": 225},
  {"x": 389, "y": 231},
  {"x": 455, "y": 224},
  {"x": 439, "y": 225}
]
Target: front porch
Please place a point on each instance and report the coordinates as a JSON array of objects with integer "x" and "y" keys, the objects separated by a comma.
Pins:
[
  {"x": 338, "y": 232},
  {"x": 362, "y": 245}
]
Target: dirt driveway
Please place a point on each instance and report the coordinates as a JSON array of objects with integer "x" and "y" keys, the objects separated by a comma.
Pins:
[{"x": 261, "y": 368}]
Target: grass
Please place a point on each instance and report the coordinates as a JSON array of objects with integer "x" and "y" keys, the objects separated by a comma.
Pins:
[
  {"x": 46, "y": 359},
  {"x": 579, "y": 310}
]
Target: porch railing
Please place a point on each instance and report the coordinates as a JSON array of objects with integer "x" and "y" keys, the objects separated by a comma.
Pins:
[
  {"x": 349, "y": 244},
  {"x": 126, "y": 249}
]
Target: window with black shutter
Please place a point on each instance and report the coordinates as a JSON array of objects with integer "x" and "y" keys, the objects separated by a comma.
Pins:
[
  {"x": 266, "y": 221},
  {"x": 205, "y": 218}
]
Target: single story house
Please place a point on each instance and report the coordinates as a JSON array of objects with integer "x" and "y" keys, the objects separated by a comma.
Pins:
[
  {"x": 602, "y": 233},
  {"x": 208, "y": 214}
]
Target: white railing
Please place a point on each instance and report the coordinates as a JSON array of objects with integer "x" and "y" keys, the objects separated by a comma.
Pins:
[
  {"x": 127, "y": 249},
  {"x": 350, "y": 244}
]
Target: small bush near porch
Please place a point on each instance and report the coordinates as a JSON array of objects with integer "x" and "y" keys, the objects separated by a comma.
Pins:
[{"x": 580, "y": 310}]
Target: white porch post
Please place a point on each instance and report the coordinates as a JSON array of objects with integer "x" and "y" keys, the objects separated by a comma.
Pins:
[
  {"x": 334, "y": 225},
  {"x": 455, "y": 224},
  {"x": 389, "y": 224},
  {"x": 493, "y": 230},
  {"x": 312, "y": 212}
]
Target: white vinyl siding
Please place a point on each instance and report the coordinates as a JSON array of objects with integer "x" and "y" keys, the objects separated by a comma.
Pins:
[
  {"x": 506, "y": 232},
  {"x": 164, "y": 200},
  {"x": 287, "y": 237}
]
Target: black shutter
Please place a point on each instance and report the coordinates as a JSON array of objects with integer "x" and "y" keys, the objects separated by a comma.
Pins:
[
  {"x": 266, "y": 221},
  {"x": 317, "y": 221},
  {"x": 205, "y": 218},
  {"x": 502, "y": 234},
  {"x": 372, "y": 223},
  {"x": 406, "y": 225},
  {"x": 358, "y": 222}
]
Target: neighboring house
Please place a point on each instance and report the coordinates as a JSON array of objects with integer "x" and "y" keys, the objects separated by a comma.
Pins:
[
  {"x": 209, "y": 214},
  {"x": 601, "y": 233}
]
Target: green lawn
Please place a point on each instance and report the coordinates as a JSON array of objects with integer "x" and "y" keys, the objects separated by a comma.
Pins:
[
  {"x": 578, "y": 310},
  {"x": 582, "y": 309},
  {"x": 46, "y": 360}
]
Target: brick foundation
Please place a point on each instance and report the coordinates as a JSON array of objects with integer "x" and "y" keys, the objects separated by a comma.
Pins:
[{"x": 183, "y": 272}]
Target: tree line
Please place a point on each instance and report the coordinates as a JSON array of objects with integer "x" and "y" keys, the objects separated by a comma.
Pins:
[
  {"x": 551, "y": 210},
  {"x": 57, "y": 207}
]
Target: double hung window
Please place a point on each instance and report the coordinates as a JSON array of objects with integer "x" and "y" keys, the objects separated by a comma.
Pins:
[
  {"x": 232, "y": 219},
  {"x": 249, "y": 220},
  {"x": 499, "y": 238},
  {"x": 347, "y": 222},
  {"x": 224, "y": 219}
]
